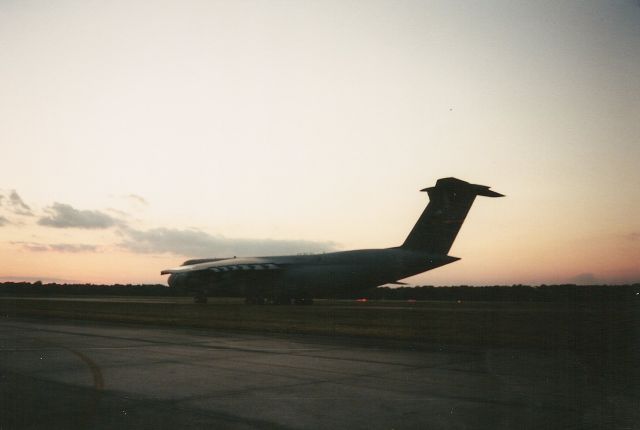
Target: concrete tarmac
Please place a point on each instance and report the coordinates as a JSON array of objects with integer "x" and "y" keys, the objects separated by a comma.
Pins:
[{"x": 65, "y": 374}]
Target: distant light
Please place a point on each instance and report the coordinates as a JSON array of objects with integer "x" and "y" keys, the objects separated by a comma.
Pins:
[
  {"x": 411, "y": 301},
  {"x": 362, "y": 300}
]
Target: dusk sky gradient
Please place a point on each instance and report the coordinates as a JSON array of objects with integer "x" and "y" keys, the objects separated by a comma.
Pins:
[{"x": 138, "y": 134}]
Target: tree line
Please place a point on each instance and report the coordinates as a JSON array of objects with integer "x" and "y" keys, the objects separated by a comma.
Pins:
[{"x": 512, "y": 293}]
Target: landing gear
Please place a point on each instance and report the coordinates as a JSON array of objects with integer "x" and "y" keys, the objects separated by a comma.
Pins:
[{"x": 200, "y": 297}]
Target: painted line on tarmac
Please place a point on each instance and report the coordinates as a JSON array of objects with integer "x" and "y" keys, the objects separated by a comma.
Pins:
[{"x": 96, "y": 374}]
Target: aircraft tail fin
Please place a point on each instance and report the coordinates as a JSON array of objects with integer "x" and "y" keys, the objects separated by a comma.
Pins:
[{"x": 439, "y": 224}]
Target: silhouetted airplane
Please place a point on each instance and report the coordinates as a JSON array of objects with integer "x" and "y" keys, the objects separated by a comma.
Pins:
[{"x": 298, "y": 278}]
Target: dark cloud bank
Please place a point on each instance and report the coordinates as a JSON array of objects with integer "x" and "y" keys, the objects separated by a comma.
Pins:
[
  {"x": 15, "y": 205},
  {"x": 188, "y": 242},
  {"x": 65, "y": 216},
  {"x": 198, "y": 243},
  {"x": 18, "y": 206}
]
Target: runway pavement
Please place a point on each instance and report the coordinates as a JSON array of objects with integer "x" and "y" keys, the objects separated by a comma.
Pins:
[{"x": 64, "y": 374}]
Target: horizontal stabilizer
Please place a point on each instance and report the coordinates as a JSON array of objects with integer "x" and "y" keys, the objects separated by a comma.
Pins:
[{"x": 458, "y": 184}]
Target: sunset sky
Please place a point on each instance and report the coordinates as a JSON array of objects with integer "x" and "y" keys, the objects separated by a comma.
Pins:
[{"x": 137, "y": 134}]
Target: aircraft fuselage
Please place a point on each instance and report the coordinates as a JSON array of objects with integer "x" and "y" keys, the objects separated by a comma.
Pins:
[{"x": 300, "y": 276}]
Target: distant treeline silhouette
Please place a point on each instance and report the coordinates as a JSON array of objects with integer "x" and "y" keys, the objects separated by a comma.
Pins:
[
  {"x": 513, "y": 293},
  {"x": 53, "y": 289}
]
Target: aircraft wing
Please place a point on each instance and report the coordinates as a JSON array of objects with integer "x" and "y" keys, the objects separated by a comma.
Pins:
[{"x": 228, "y": 265}]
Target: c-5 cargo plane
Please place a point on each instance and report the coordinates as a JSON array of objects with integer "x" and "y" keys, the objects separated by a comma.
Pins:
[{"x": 298, "y": 278}]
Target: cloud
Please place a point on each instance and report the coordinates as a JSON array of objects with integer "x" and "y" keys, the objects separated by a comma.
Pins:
[
  {"x": 4, "y": 221},
  {"x": 120, "y": 213},
  {"x": 634, "y": 235},
  {"x": 56, "y": 247},
  {"x": 138, "y": 199},
  {"x": 31, "y": 246},
  {"x": 16, "y": 205},
  {"x": 193, "y": 243},
  {"x": 73, "y": 247},
  {"x": 585, "y": 279},
  {"x": 65, "y": 216},
  {"x": 135, "y": 199}
]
